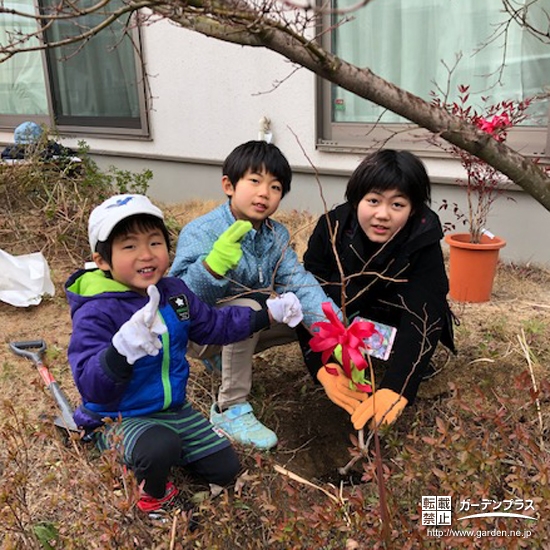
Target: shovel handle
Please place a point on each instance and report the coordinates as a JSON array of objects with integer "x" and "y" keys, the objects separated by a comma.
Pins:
[
  {"x": 25, "y": 349},
  {"x": 33, "y": 350}
]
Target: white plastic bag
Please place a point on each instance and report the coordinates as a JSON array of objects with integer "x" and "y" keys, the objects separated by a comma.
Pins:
[{"x": 24, "y": 279}]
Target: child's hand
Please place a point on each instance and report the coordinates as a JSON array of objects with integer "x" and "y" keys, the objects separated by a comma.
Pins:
[
  {"x": 286, "y": 308},
  {"x": 384, "y": 405},
  {"x": 139, "y": 336},
  {"x": 226, "y": 251},
  {"x": 337, "y": 388}
]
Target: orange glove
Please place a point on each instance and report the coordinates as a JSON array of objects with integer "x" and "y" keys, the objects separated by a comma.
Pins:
[
  {"x": 338, "y": 390},
  {"x": 384, "y": 405}
]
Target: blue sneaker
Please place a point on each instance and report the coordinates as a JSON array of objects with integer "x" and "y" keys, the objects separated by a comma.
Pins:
[
  {"x": 213, "y": 363},
  {"x": 239, "y": 424}
]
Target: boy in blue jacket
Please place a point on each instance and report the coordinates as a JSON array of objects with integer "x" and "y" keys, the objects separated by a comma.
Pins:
[
  {"x": 236, "y": 254},
  {"x": 131, "y": 327}
]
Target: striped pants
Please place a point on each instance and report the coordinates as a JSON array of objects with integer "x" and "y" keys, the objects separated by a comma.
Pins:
[{"x": 152, "y": 445}]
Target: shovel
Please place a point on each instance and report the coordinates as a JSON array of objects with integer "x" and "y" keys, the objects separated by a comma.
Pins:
[{"x": 33, "y": 350}]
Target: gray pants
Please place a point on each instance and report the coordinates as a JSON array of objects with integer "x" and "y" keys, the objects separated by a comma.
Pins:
[{"x": 237, "y": 358}]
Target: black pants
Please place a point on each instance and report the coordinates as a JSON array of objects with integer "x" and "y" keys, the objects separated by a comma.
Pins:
[{"x": 159, "y": 449}]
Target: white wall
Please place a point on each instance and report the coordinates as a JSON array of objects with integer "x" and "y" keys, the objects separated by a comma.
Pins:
[{"x": 208, "y": 97}]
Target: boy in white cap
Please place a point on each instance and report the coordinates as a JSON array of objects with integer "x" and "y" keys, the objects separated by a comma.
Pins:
[{"x": 131, "y": 327}]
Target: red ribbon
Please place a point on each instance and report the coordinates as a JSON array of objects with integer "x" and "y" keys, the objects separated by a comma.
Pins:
[{"x": 332, "y": 333}]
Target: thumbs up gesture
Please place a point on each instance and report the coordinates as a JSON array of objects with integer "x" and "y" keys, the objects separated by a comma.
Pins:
[{"x": 139, "y": 336}]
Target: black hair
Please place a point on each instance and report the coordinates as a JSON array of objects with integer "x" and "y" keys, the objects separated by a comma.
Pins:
[
  {"x": 388, "y": 169},
  {"x": 258, "y": 156},
  {"x": 136, "y": 223}
]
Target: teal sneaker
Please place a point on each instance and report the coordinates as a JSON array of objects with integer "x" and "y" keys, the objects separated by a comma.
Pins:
[
  {"x": 239, "y": 424},
  {"x": 213, "y": 364}
]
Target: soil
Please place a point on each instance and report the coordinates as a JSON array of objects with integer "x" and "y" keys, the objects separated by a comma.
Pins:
[
  {"x": 315, "y": 436},
  {"x": 59, "y": 484}
]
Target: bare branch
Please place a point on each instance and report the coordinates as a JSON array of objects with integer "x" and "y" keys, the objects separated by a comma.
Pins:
[{"x": 520, "y": 16}]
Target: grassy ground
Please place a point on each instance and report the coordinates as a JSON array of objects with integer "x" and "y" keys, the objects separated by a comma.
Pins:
[{"x": 478, "y": 433}]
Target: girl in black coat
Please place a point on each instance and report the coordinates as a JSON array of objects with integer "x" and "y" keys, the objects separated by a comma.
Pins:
[{"x": 387, "y": 240}]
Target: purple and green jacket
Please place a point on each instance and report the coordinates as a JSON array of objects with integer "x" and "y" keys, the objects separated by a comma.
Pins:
[{"x": 108, "y": 384}]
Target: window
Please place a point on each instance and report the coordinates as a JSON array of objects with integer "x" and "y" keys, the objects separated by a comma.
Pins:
[
  {"x": 422, "y": 45},
  {"x": 95, "y": 86},
  {"x": 22, "y": 80}
]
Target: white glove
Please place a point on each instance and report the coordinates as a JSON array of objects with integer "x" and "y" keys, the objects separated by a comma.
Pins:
[
  {"x": 139, "y": 336},
  {"x": 286, "y": 308}
]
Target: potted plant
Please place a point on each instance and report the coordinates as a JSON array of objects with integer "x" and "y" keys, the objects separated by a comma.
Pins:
[{"x": 474, "y": 254}]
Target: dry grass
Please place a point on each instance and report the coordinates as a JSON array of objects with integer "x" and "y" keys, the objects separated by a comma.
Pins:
[{"x": 475, "y": 432}]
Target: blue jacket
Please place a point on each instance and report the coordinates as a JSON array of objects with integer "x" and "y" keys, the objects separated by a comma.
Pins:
[
  {"x": 108, "y": 384},
  {"x": 268, "y": 262}
]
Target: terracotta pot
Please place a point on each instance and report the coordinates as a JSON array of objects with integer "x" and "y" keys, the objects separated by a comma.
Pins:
[{"x": 472, "y": 267}]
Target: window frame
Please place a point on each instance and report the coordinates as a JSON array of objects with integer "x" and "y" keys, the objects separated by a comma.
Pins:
[
  {"x": 64, "y": 127},
  {"x": 79, "y": 128}
]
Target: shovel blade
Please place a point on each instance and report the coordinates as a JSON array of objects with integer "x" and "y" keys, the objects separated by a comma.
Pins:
[{"x": 66, "y": 424}]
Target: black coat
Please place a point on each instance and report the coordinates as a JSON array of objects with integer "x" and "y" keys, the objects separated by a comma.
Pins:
[{"x": 402, "y": 283}]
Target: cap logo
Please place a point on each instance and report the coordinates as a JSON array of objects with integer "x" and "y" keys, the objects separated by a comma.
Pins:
[{"x": 120, "y": 202}]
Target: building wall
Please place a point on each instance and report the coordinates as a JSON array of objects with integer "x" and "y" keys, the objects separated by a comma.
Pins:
[{"x": 208, "y": 97}]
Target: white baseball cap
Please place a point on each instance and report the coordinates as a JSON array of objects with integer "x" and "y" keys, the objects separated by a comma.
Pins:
[{"x": 115, "y": 209}]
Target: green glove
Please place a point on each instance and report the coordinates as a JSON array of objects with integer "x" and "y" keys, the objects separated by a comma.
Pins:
[{"x": 226, "y": 251}]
